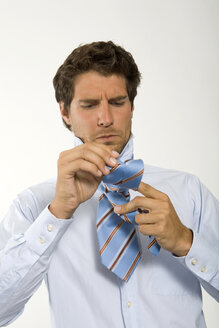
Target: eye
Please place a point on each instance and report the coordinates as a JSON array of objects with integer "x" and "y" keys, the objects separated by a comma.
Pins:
[
  {"x": 118, "y": 103},
  {"x": 87, "y": 106}
]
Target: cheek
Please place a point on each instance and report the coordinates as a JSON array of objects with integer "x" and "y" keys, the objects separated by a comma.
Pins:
[
  {"x": 124, "y": 119},
  {"x": 83, "y": 123}
]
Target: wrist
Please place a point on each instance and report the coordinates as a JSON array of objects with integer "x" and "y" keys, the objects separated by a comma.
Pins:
[
  {"x": 59, "y": 211},
  {"x": 184, "y": 243}
]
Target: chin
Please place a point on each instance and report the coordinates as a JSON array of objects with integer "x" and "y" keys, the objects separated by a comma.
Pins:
[{"x": 117, "y": 147}]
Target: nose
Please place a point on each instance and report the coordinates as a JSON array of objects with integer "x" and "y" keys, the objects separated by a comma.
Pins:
[{"x": 105, "y": 118}]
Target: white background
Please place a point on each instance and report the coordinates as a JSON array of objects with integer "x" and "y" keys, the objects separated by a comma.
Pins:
[{"x": 176, "y": 121}]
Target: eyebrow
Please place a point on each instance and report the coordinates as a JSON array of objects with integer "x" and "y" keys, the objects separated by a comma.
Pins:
[{"x": 92, "y": 100}]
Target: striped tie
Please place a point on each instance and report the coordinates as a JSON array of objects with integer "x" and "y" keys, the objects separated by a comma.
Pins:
[{"x": 118, "y": 242}]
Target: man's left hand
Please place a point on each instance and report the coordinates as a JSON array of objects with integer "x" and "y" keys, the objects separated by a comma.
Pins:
[{"x": 161, "y": 220}]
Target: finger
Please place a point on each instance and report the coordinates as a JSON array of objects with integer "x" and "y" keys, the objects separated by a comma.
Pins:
[
  {"x": 108, "y": 156},
  {"x": 100, "y": 159},
  {"x": 138, "y": 202},
  {"x": 101, "y": 150},
  {"x": 113, "y": 153},
  {"x": 146, "y": 218},
  {"x": 151, "y": 192},
  {"x": 72, "y": 160},
  {"x": 82, "y": 165},
  {"x": 148, "y": 229}
]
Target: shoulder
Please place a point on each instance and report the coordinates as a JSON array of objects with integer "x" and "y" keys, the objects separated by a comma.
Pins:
[
  {"x": 171, "y": 180},
  {"x": 166, "y": 173}
]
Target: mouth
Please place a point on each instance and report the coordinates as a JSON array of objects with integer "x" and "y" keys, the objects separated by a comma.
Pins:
[{"x": 109, "y": 137}]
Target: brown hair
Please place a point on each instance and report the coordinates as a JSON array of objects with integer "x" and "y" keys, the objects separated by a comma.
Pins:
[{"x": 105, "y": 58}]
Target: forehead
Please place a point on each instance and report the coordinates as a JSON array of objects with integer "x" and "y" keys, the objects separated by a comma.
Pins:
[{"x": 94, "y": 84}]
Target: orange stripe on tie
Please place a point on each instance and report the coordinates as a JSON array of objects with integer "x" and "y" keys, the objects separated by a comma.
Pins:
[
  {"x": 113, "y": 189},
  {"x": 111, "y": 236},
  {"x": 114, "y": 167},
  {"x": 112, "y": 204},
  {"x": 101, "y": 197},
  {"x": 122, "y": 250},
  {"x": 152, "y": 243},
  {"x": 132, "y": 267},
  {"x": 104, "y": 217},
  {"x": 131, "y": 178},
  {"x": 106, "y": 189},
  {"x": 126, "y": 218}
]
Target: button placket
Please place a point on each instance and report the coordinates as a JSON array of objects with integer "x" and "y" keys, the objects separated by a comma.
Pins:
[
  {"x": 129, "y": 303},
  {"x": 50, "y": 227}
]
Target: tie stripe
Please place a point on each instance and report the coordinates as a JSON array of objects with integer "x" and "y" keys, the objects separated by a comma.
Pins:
[
  {"x": 104, "y": 217},
  {"x": 152, "y": 243},
  {"x": 131, "y": 178},
  {"x": 115, "y": 167},
  {"x": 123, "y": 249},
  {"x": 118, "y": 241},
  {"x": 126, "y": 218},
  {"x": 111, "y": 236},
  {"x": 132, "y": 266}
]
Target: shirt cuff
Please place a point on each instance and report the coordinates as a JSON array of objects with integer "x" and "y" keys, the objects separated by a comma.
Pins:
[
  {"x": 202, "y": 258},
  {"x": 46, "y": 231}
]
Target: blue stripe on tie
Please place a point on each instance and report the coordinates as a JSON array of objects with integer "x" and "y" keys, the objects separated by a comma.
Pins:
[
  {"x": 155, "y": 248},
  {"x": 131, "y": 216},
  {"x": 116, "y": 243},
  {"x": 109, "y": 224},
  {"x": 116, "y": 198},
  {"x": 103, "y": 209},
  {"x": 123, "y": 172},
  {"x": 127, "y": 258},
  {"x": 121, "y": 248}
]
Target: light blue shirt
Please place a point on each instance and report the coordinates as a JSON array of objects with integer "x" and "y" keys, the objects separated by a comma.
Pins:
[{"x": 164, "y": 290}]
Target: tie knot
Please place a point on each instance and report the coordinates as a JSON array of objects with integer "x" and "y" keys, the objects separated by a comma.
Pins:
[
  {"x": 115, "y": 186},
  {"x": 124, "y": 176}
]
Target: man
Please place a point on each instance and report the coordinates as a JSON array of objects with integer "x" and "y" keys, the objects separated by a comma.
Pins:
[{"x": 50, "y": 230}]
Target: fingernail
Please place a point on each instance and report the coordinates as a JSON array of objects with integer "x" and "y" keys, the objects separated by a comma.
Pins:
[
  {"x": 117, "y": 208},
  {"x": 115, "y": 153},
  {"x": 113, "y": 161},
  {"x": 99, "y": 172},
  {"x": 107, "y": 171}
]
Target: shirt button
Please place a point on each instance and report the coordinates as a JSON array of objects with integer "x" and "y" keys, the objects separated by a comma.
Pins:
[
  {"x": 50, "y": 227},
  {"x": 194, "y": 262},
  {"x": 129, "y": 304},
  {"x": 42, "y": 240},
  {"x": 203, "y": 269}
]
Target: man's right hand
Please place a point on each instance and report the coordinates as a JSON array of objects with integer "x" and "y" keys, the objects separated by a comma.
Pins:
[{"x": 80, "y": 171}]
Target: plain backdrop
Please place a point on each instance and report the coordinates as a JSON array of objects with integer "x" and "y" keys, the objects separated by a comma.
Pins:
[{"x": 176, "y": 121}]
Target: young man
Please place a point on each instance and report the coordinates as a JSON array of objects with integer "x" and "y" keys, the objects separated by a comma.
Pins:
[{"x": 50, "y": 231}]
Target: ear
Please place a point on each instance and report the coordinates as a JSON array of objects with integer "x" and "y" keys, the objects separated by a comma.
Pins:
[{"x": 64, "y": 113}]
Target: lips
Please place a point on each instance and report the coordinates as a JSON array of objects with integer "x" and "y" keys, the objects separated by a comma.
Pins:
[{"x": 107, "y": 137}]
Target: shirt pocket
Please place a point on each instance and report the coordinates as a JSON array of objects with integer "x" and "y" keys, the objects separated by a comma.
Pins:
[{"x": 170, "y": 277}]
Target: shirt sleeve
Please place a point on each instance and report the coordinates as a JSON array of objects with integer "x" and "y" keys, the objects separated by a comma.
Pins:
[
  {"x": 27, "y": 244},
  {"x": 203, "y": 257}
]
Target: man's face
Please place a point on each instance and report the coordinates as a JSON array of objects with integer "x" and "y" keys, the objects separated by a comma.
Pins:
[{"x": 100, "y": 110}]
